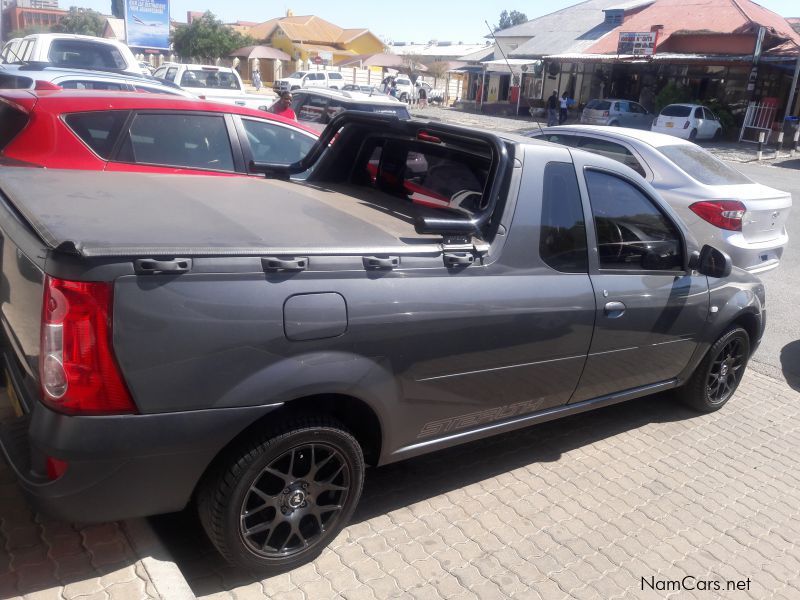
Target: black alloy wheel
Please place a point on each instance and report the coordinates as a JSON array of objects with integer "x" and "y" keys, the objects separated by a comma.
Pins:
[
  {"x": 726, "y": 371},
  {"x": 716, "y": 378},
  {"x": 294, "y": 500},
  {"x": 276, "y": 499}
]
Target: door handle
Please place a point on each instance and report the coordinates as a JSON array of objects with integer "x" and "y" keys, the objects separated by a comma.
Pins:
[{"x": 614, "y": 310}]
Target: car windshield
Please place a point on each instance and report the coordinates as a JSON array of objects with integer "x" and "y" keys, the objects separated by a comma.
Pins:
[
  {"x": 297, "y": 75},
  {"x": 220, "y": 80},
  {"x": 598, "y": 105},
  {"x": 702, "y": 166},
  {"x": 676, "y": 110}
]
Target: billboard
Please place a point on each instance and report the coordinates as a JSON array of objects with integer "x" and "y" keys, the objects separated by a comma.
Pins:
[
  {"x": 637, "y": 44},
  {"x": 147, "y": 24}
]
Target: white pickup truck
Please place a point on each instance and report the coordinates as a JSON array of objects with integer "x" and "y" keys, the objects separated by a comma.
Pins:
[{"x": 217, "y": 84}]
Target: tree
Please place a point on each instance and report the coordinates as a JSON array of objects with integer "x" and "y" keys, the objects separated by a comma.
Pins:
[
  {"x": 83, "y": 21},
  {"x": 118, "y": 8},
  {"x": 510, "y": 19},
  {"x": 207, "y": 39}
]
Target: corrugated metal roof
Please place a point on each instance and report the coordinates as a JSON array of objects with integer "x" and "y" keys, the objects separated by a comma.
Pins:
[
  {"x": 479, "y": 55},
  {"x": 705, "y": 17},
  {"x": 571, "y": 29},
  {"x": 455, "y": 51}
]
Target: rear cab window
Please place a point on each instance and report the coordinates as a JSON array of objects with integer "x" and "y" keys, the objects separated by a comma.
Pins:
[
  {"x": 98, "y": 130},
  {"x": 612, "y": 150},
  {"x": 83, "y": 54}
]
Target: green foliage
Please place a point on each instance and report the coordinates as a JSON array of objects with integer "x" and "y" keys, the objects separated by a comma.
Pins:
[
  {"x": 672, "y": 94},
  {"x": 726, "y": 117},
  {"x": 83, "y": 21},
  {"x": 510, "y": 19},
  {"x": 207, "y": 39},
  {"x": 118, "y": 8}
]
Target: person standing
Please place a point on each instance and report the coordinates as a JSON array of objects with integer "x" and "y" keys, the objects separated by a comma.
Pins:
[
  {"x": 257, "y": 80},
  {"x": 552, "y": 109},
  {"x": 422, "y": 95},
  {"x": 283, "y": 106},
  {"x": 564, "y": 104}
]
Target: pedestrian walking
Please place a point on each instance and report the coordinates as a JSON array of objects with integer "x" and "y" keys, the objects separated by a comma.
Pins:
[
  {"x": 552, "y": 109},
  {"x": 422, "y": 95},
  {"x": 257, "y": 80},
  {"x": 564, "y": 104}
]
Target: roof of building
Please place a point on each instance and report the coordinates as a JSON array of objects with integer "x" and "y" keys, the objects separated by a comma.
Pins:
[
  {"x": 308, "y": 28},
  {"x": 114, "y": 28},
  {"x": 479, "y": 55},
  {"x": 571, "y": 29},
  {"x": 437, "y": 48},
  {"x": 705, "y": 17}
]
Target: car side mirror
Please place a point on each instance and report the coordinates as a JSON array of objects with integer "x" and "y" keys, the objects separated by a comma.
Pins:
[{"x": 713, "y": 262}]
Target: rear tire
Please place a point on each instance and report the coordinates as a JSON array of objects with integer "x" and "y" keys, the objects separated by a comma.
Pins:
[
  {"x": 716, "y": 378},
  {"x": 277, "y": 499}
]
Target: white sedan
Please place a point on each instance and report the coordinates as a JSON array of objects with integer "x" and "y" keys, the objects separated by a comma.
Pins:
[
  {"x": 688, "y": 121},
  {"x": 720, "y": 205}
]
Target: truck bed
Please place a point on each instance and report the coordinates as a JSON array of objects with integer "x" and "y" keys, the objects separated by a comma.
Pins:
[{"x": 120, "y": 214}]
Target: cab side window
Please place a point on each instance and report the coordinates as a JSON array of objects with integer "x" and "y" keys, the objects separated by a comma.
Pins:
[
  {"x": 632, "y": 233},
  {"x": 562, "y": 236},
  {"x": 612, "y": 150}
]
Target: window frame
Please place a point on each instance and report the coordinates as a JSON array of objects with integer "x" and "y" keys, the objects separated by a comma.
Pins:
[
  {"x": 244, "y": 142},
  {"x": 591, "y": 231},
  {"x": 233, "y": 138},
  {"x": 112, "y": 152}
]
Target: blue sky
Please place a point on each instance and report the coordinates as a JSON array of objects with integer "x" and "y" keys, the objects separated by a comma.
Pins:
[{"x": 399, "y": 20}]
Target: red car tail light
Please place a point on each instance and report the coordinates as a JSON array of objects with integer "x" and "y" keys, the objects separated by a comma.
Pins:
[
  {"x": 55, "y": 467},
  {"x": 725, "y": 214},
  {"x": 77, "y": 368}
]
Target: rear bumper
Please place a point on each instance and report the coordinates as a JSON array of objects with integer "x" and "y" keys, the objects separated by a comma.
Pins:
[
  {"x": 754, "y": 257},
  {"x": 118, "y": 467},
  {"x": 678, "y": 132}
]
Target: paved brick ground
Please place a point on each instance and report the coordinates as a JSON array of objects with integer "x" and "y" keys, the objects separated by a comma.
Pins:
[
  {"x": 41, "y": 558},
  {"x": 580, "y": 508}
]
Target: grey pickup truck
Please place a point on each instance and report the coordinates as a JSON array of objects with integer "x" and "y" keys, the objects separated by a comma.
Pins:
[{"x": 250, "y": 345}]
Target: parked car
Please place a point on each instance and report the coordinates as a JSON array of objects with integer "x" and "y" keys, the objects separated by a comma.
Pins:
[
  {"x": 370, "y": 90},
  {"x": 688, "y": 121},
  {"x": 26, "y": 77},
  {"x": 146, "y": 67},
  {"x": 112, "y": 131},
  {"x": 720, "y": 205},
  {"x": 254, "y": 344},
  {"x": 71, "y": 51},
  {"x": 216, "y": 84},
  {"x": 310, "y": 79},
  {"x": 316, "y": 107},
  {"x": 617, "y": 113}
]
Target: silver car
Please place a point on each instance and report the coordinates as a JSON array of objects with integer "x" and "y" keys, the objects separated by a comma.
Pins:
[
  {"x": 720, "y": 205},
  {"x": 621, "y": 113}
]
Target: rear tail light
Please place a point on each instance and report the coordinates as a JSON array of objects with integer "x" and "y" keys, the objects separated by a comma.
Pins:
[
  {"x": 686, "y": 125},
  {"x": 77, "y": 368},
  {"x": 725, "y": 214}
]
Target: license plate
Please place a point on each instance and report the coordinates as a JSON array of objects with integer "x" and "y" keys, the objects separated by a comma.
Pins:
[
  {"x": 12, "y": 396},
  {"x": 669, "y": 124}
]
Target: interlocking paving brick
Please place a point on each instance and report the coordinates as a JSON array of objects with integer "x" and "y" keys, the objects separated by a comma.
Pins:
[{"x": 580, "y": 508}]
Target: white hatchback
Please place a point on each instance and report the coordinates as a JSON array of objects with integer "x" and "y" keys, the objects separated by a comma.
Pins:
[
  {"x": 688, "y": 121},
  {"x": 721, "y": 206}
]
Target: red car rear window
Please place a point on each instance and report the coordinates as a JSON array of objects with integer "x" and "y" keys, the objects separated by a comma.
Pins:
[
  {"x": 12, "y": 121},
  {"x": 98, "y": 130}
]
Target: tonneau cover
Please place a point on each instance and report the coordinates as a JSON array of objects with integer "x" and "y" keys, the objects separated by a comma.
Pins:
[{"x": 100, "y": 214}]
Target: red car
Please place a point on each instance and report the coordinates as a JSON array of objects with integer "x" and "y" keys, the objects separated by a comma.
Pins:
[{"x": 113, "y": 131}]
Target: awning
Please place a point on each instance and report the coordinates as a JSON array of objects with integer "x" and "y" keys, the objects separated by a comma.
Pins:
[{"x": 261, "y": 52}]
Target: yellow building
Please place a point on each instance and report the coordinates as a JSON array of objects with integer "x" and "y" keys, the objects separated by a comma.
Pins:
[{"x": 307, "y": 37}]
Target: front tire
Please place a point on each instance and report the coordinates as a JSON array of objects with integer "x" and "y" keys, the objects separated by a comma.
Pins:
[
  {"x": 278, "y": 499},
  {"x": 716, "y": 378}
]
